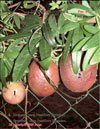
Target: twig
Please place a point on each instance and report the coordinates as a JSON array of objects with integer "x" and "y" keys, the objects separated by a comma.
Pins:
[
  {"x": 2, "y": 114},
  {"x": 11, "y": 6},
  {"x": 29, "y": 41},
  {"x": 38, "y": 4},
  {"x": 56, "y": 86},
  {"x": 71, "y": 97},
  {"x": 6, "y": 29},
  {"x": 18, "y": 13},
  {"x": 26, "y": 108},
  {"x": 44, "y": 14}
]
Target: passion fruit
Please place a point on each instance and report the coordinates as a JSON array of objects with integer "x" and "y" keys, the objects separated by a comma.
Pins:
[
  {"x": 14, "y": 93},
  {"x": 38, "y": 82},
  {"x": 79, "y": 82}
]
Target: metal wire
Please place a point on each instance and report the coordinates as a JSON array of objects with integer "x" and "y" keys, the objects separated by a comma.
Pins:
[{"x": 55, "y": 119}]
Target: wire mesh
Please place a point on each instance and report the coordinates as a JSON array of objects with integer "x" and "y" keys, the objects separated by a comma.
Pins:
[{"x": 56, "y": 111}]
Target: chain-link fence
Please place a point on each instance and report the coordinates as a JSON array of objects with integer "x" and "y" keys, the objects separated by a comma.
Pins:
[{"x": 56, "y": 111}]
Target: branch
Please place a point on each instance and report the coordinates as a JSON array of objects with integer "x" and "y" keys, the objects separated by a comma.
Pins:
[
  {"x": 11, "y": 6},
  {"x": 26, "y": 108},
  {"x": 37, "y": 4},
  {"x": 44, "y": 14},
  {"x": 2, "y": 114}
]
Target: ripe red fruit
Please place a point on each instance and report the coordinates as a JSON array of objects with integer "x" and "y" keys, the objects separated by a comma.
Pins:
[
  {"x": 77, "y": 82},
  {"x": 14, "y": 93},
  {"x": 37, "y": 81}
]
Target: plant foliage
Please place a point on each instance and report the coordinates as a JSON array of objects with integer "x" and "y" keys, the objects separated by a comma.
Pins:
[{"x": 25, "y": 37}]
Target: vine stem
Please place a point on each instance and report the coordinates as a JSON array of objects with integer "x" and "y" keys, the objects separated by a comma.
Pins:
[
  {"x": 56, "y": 86},
  {"x": 29, "y": 41},
  {"x": 71, "y": 97},
  {"x": 6, "y": 29},
  {"x": 44, "y": 14},
  {"x": 24, "y": 14},
  {"x": 2, "y": 114},
  {"x": 18, "y": 13},
  {"x": 26, "y": 108},
  {"x": 49, "y": 80},
  {"x": 43, "y": 71},
  {"x": 14, "y": 5}
]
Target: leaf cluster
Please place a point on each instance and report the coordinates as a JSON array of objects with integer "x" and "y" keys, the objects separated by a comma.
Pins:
[{"x": 23, "y": 38}]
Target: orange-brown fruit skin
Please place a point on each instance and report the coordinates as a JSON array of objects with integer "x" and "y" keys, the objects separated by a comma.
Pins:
[
  {"x": 37, "y": 81},
  {"x": 8, "y": 93},
  {"x": 71, "y": 80}
]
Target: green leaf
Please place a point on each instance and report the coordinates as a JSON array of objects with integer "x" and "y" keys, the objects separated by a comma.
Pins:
[
  {"x": 0, "y": 86},
  {"x": 91, "y": 29},
  {"x": 52, "y": 22},
  {"x": 13, "y": 49},
  {"x": 28, "y": 6},
  {"x": 45, "y": 63},
  {"x": 17, "y": 21},
  {"x": 64, "y": 6},
  {"x": 48, "y": 35},
  {"x": 21, "y": 64},
  {"x": 71, "y": 17},
  {"x": 28, "y": 29},
  {"x": 96, "y": 57},
  {"x": 44, "y": 49},
  {"x": 77, "y": 36},
  {"x": 31, "y": 20},
  {"x": 14, "y": 36},
  {"x": 23, "y": 61},
  {"x": 54, "y": 5},
  {"x": 68, "y": 27},
  {"x": 85, "y": 3},
  {"x": 60, "y": 21},
  {"x": 6, "y": 19},
  {"x": 87, "y": 34},
  {"x": 87, "y": 58},
  {"x": 93, "y": 42},
  {"x": 81, "y": 7},
  {"x": 2, "y": 72},
  {"x": 13, "y": 44},
  {"x": 3, "y": 6},
  {"x": 85, "y": 19},
  {"x": 58, "y": 39},
  {"x": 8, "y": 63},
  {"x": 80, "y": 44},
  {"x": 22, "y": 17},
  {"x": 1, "y": 47},
  {"x": 76, "y": 60},
  {"x": 66, "y": 48},
  {"x": 94, "y": 5},
  {"x": 32, "y": 46},
  {"x": 12, "y": 53},
  {"x": 79, "y": 12}
]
